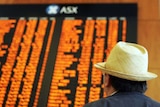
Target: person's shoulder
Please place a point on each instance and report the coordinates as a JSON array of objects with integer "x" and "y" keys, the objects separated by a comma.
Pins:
[
  {"x": 97, "y": 103},
  {"x": 145, "y": 99},
  {"x": 152, "y": 102}
]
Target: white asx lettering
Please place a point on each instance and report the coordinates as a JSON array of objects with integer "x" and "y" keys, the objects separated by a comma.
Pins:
[{"x": 69, "y": 10}]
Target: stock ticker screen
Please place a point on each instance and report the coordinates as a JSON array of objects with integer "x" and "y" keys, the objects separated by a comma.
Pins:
[{"x": 47, "y": 51}]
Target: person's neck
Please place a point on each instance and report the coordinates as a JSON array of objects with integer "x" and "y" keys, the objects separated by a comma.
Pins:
[{"x": 111, "y": 91}]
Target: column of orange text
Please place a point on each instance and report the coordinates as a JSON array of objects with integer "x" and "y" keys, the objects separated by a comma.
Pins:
[
  {"x": 68, "y": 45},
  {"x": 53, "y": 21},
  {"x": 84, "y": 63},
  {"x": 124, "y": 28},
  {"x": 4, "y": 28},
  {"x": 21, "y": 63},
  {"x": 112, "y": 34},
  {"x": 96, "y": 75},
  {"x": 7, "y": 68},
  {"x": 31, "y": 68}
]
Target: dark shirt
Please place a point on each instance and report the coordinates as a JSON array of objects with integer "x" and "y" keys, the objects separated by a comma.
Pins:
[{"x": 125, "y": 99}]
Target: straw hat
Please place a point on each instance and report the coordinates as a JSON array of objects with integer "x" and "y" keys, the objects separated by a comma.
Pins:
[{"x": 127, "y": 61}]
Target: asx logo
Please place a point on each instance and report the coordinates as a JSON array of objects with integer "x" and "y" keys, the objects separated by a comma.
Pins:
[{"x": 55, "y": 9}]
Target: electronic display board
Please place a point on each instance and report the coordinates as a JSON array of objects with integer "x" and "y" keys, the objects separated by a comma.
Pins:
[{"x": 47, "y": 51}]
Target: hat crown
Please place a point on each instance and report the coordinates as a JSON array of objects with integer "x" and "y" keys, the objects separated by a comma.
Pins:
[
  {"x": 128, "y": 58},
  {"x": 127, "y": 61}
]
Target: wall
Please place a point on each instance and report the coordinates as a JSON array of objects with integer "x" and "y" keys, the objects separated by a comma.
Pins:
[{"x": 148, "y": 31}]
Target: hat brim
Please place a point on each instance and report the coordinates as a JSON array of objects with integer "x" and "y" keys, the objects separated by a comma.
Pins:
[{"x": 132, "y": 77}]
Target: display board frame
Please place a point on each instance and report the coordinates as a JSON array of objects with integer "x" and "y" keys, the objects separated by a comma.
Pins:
[{"x": 53, "y": 26}]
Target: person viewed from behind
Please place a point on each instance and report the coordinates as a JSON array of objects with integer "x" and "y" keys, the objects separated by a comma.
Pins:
[{"x": 125, "y": 73}]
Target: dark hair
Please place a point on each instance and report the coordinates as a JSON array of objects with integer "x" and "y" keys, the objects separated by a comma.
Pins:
[{"x": 124, "y": 85}]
